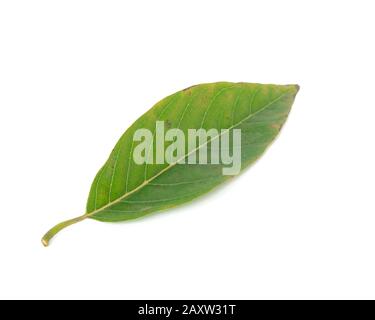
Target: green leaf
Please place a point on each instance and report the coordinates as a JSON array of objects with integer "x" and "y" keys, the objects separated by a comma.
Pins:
[{"x": 124, "y": 190}]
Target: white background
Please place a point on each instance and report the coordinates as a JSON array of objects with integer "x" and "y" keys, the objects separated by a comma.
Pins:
[{"x": 299, "y": 224}]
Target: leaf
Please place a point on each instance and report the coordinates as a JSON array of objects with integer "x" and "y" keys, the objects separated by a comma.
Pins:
[{"x": 124, "y": 190}]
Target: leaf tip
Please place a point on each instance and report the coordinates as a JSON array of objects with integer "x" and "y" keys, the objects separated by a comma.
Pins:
[{"x": 292, "y": 89}]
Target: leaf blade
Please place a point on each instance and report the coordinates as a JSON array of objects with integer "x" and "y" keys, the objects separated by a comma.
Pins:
[{"x": 209, "y": 106}]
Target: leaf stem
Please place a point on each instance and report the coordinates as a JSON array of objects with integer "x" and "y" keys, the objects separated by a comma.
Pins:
[{"x": 57, "y": 228}]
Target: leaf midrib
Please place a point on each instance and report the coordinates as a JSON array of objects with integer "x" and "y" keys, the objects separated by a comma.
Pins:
[{"x": 146, "y": 182}]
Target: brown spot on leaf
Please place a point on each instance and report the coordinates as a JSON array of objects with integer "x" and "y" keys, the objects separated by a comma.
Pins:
[
  {"x": 188, "y": 88},
  {"x": 276, "y": 126}
]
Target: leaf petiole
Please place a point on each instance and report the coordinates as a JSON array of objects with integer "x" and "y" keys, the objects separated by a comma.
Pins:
[{"x": 57, "y": 228}]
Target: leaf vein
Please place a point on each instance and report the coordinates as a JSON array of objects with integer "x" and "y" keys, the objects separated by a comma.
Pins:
[
  {"x": 181, "y": 183},
  {"x": 211, "y": 102},
  {"x": 153, "y": 135}
]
